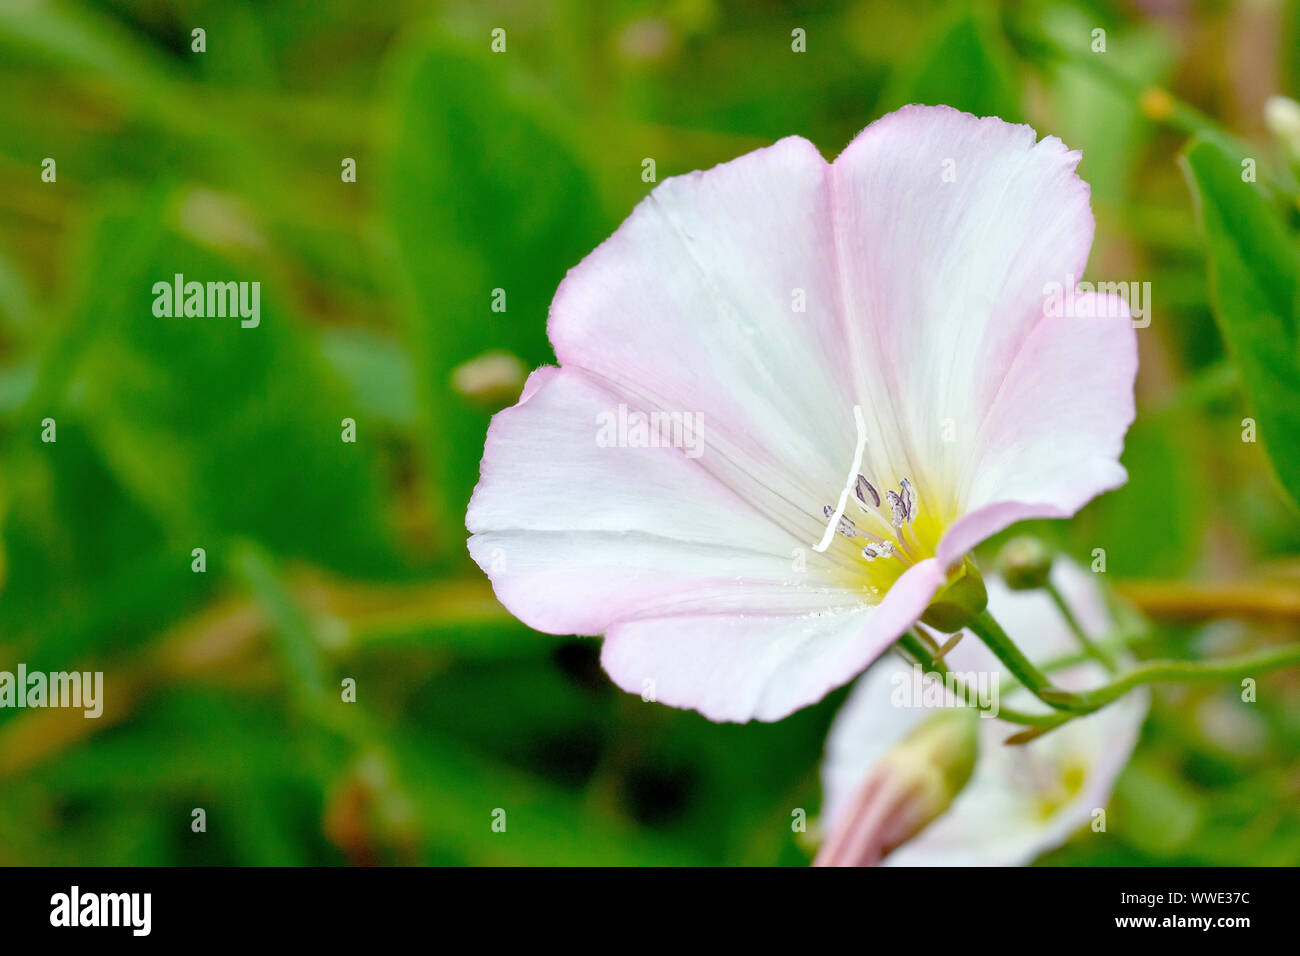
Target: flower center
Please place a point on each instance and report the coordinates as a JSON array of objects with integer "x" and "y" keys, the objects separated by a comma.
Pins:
[
  {"x": 1056, "y": 786},
  {"x": 887, "y": 524},
  {"x": 873, "y": 538},
  {"x": 879, "y": 536}
]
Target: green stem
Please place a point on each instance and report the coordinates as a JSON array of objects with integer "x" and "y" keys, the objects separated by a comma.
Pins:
[
  {"x": 1156, "y": 672},
  {"x": 1086, "y": 702},
  {"x": 986, "y": 627},
  {"x": 916, "y": 647},
  {"x": 1089, "y": 646}
]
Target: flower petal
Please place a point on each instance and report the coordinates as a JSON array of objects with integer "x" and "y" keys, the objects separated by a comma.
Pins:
[
  {"x": 1053, "y": 436},
  {"x": 1002, "y": 817},
  {"x": 720, "y": 295},
  {"x": 576, "y": 536},
  {"x": 743, "y": 666},
  {"x": 867, "y": 726},
  {"x": 999, "y": 819},
  {"x": 949, "y": 226}
]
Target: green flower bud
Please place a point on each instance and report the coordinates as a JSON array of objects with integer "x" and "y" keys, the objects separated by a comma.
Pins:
[{"x": 1025, "y": 563}]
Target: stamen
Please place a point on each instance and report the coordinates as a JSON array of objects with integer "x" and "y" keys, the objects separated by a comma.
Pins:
[
  {"x": 879, "y": 549},
  {"x": 845, "y": 527},
  {"x": 898, "y": 508},
  {"x": 866, "y": 490},
  {"x": 861, "y": 426},
  {"x": 908, "y": 494},
  {"x": 895, "y": 525}
]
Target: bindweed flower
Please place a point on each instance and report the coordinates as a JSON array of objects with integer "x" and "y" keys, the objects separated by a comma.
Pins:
[
  {"x": 792, "y": 396},
  {"x": 1020, "y": 801},
  {"x": 905, "y": 790}
]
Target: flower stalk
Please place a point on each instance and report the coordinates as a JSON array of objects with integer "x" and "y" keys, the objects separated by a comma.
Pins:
[
  {"x": 1088, "y": 702},
  {"x": 987, "y": 629},
  {"x": 1168, "y": 671},
  {"x": 917, "y": 650},
  {"x": 1090, "y": 647}
]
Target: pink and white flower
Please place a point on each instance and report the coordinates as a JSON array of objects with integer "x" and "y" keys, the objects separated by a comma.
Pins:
[
  {"x": 863, "y": 346},
  {"x": 1020, "y": 801}
]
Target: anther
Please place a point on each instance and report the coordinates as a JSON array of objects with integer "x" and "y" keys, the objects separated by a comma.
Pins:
[
  {"x": 897, "y": 507},
  {"x": 846, "y": 527},
  {"x": 908, "y": 494},
  {"x": 881, "y": 549},
  {"x": 865, "y": 491}
]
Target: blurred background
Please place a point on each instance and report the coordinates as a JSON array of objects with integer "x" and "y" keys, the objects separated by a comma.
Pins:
[{"x": 476, "y": 171}]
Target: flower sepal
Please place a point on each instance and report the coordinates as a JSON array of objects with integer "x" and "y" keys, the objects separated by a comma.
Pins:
[{"x": 959, "y": 601}]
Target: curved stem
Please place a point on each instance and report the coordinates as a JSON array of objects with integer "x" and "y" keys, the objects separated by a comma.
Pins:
[
  {"x": 986, "y": 627},
  {"x": 915, "y": 645},
  {"x": 1093, "y": 651},
  {"x": 1156, "y": 672},
  {"x": 1087, "y": 702}
]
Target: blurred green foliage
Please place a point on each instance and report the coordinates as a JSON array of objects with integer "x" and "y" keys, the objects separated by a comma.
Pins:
[
  {"x": 477, "y": 172},
  {"x": 1254, "y": 266}
]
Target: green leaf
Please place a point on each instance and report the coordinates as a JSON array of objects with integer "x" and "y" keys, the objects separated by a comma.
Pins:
[
  {"x": 17, "y": 308},
  {"x": 484, "y": 193},
  {"x": 1155, "y": 810},
  {"x": 967, "y": 64},
  {"x": 295, "y": 641},
  {"x": 218, "y": 430},
  {"x": 1164, "y": 496},
  {"x": 460, "y": 797},
  {"x": 1253, "y": 270},
  {"x": 1099, "y": 118},
  {"x": 377, "y": 370},
  {"x": 85, "y": 568}
]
